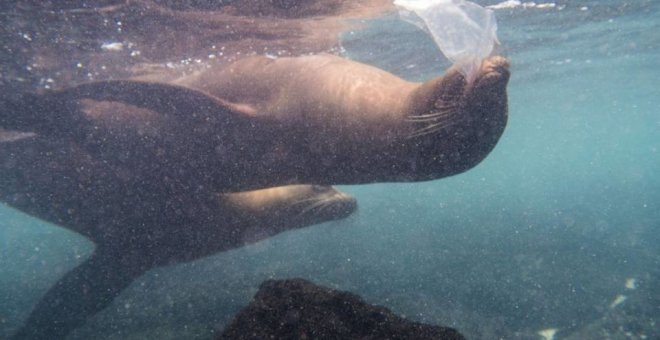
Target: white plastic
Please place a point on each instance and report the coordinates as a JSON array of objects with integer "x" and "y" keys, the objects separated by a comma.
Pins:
[{"x": 465, "y": 32}]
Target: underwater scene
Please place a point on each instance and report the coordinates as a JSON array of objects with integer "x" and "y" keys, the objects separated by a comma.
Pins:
[{"x": 554, "y": 235}]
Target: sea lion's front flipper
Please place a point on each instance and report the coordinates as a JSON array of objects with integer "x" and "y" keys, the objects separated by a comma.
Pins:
[
  {"x": 155, "y": 130},
  {"x": 58, "y": 112},
  {"x": 166, "y": 99},
  {"x": 81, "y": 293}
]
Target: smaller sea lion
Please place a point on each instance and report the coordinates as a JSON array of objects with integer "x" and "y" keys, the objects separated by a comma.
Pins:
[{"x": 58, "y": 182}]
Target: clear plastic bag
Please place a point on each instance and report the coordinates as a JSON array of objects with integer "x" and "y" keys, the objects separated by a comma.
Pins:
[{"x": 465, "y": 32}]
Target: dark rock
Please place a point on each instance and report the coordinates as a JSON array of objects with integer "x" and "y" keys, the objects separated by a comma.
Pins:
[{"x": 299, "y": 309}]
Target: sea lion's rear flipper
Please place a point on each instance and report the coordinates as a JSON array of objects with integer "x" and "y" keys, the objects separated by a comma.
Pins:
[{"x": 80, "y": 294}]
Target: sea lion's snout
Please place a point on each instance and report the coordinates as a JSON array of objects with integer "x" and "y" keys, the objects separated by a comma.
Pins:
[
  {"x": 486, "y": 100},
  {"x": 325, "y": 203},
  {"x": 494, "y": 72},
  {"x": 336, "y": 205},
  {"x": 462, "y": 125},
  {"x": 344, "y": 205}
]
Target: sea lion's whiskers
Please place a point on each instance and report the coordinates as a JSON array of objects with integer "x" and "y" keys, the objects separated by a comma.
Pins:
[
  {"x": 319, "y": 203},
  {"x": 299, "y": 202},
  {"x": 431, "y": 116},
  {"x": 439, "y": 112},
  {"x": 324, "y": 207},
  {"x": 322, "y": 203},
  {"x": 433, "y": 128}
]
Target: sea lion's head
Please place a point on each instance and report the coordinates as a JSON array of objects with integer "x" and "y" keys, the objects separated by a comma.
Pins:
[
  {"x": 267, "y": 212},
  {"x": 454, "y": 123},
  {"x": 308, "y": 204}
]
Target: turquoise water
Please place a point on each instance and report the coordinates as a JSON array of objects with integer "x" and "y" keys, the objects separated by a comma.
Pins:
[{"x": 545, "y": 233}]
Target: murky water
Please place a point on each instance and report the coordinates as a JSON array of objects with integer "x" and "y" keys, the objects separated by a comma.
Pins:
[{"x": 558, "y": 228}]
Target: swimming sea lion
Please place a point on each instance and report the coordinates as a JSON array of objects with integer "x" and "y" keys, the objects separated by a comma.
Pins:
[
  {"x": 354, "y": 123},
  {"x": 59, "y": 182},
  {"x": 261, "y": 122},
  {"x": 140, "y": 152}
]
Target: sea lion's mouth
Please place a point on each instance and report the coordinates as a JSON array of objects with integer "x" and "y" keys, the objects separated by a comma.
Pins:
[
  {"x": 343, "y": 206},
  {"x": 336, "y": 207}
]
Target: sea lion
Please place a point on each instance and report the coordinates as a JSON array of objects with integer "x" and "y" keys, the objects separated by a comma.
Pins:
[
  {"x": 262, "y": 122},
  {"x": 59, "y": 182},
  {"x": 143, "y": 152}
]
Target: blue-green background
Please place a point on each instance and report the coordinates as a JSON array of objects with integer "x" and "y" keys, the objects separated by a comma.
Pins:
[{"x": 542, "y": 234}]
